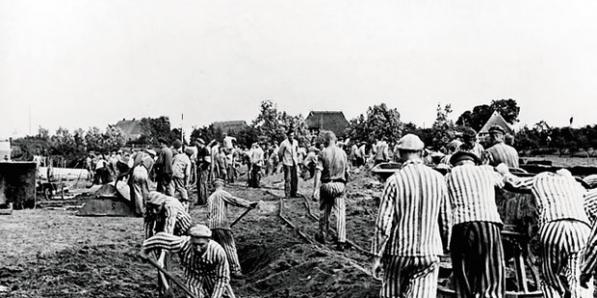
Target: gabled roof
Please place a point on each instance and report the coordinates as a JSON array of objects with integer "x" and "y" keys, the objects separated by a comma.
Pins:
[
  {"x": 131, "y": 129},
  {"x": 233, "y": 126},
  {"x": 496, "y": 119},
  {"x": 327, "y": 120}
]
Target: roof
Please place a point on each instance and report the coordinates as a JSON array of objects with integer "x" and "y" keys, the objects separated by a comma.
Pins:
[
  {"x": 227, "y": 126},
  {"x": 131, "y": 129},
  {"x": 496, "y": 119},
  {"x": 327, "y": 120}
]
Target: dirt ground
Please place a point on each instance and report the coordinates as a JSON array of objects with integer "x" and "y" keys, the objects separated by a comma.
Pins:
[{"x": 52, "y": 252}]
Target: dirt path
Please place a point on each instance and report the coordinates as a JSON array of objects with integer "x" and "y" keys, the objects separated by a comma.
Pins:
[{"x": 53, "y": 253}]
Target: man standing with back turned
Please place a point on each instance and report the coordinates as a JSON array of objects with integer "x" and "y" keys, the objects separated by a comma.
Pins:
[
  {"x": 407, "y": 238},
  {"x": 332, "y": 167}
]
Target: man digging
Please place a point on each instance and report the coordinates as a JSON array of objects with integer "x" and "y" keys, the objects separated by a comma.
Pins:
[
  {"x": 217, "y": 207},
  {"x": 204, "y": 262}
]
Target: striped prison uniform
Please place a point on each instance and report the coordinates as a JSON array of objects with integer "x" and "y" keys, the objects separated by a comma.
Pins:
[
  {"x": 590, "y": 255},
  {"x": 502, "y": 153},
  {"x": 217, "y": 206},
  {"x": 407, "y": 232},
  {"x": 173, "y": 220},
  {"x": 477, "y": 149},
  {"x": 206, "y": 273},
  {"x": 563, "y": 229},
  {"x": 333, "y": 164},
  {"x": 476, "y": 243}
]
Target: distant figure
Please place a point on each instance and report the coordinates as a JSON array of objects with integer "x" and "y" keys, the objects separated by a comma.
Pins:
[
  {"x": 181, "y": 173},
  {"x": 256, "y": 164},
  {"x": 381, "y": 151},
  {"x": 288, "y": 155},
  {"x": 470, "y": 143},
  {"x": 221, "y": 164},
  {"x": 102, "y": 171},
  {"x": 163, "y": 168},
  {"x": 499, "y": 152},
  {"x": 331, "y": 176},
  {"x": 203, "y": 166}
]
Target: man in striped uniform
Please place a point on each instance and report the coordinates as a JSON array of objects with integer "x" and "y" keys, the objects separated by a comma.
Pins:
[
  {"x": 217, "y": 221},
  {"x": 590, "y": 256},
  {"x": 329, "y": 185},
  {"x": 166, "y": 214},
  {"x": 476, "y": 243},
  {"x": 204, "y": 262},
  {"x": 563, "y": 227},
  {"x": 407, "y": 238},
  {"x": 500, "y": 152}
]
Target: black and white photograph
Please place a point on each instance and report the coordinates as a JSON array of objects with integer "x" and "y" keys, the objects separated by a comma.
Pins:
[{"x": 298, "y": 149}]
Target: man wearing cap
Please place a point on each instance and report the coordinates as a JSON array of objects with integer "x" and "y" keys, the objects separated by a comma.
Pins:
[
  {"x": 407, "y": 238},
  {"x": 166, "y": 214},
  {"x": 563, "y": 227},
  {"x": 181, "y": 173},
  {"x": 217, "y": 221},
  {"x": 288, "y": 155},
  {"x": 500, "y": 152},
  {"x": 470, "y": 144},
  {"x": 476, "y": 243},
  {"x": 204, "y": 262},
  {"x": 163, "y": 168},
  {"x": 332, "y": 169},
  {"x": 139, "y": 180},
  {"x": 203, "y": 167}
]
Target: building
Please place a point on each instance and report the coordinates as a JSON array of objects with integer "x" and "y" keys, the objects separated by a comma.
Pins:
[
  {"x": 327, "y": 120},
  {"x": 230, "y": 126},
  {"x": 495, "y": 119}
]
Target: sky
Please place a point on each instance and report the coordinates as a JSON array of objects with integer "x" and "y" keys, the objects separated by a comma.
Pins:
[{"x": 85, "y": 63}]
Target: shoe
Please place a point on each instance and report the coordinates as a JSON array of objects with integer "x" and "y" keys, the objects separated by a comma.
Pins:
[{"x": 320, "y": 238}]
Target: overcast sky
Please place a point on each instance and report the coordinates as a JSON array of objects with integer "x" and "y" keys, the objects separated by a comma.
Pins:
[{"x": 89, "y": 63}]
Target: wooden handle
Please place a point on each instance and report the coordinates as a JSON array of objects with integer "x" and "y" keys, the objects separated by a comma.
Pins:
[{"x": 170, "y": 276}]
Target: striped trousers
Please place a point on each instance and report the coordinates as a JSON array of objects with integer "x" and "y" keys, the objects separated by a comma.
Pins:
[
  {"x": 562, "y": 243},
  {"x": 406, "y": 277},
  {"x": 225, "y": 239},
  {"x": 478, "y": 259},
  {"x": 332, "y": 197}
]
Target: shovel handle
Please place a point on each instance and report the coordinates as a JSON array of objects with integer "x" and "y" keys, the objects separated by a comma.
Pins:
[
  {"x": 169, "y": 275},
  {"x": 240, "y": 217}
]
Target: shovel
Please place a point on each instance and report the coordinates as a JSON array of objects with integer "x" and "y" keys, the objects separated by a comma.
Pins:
[
  {"x": 168, "y": 275},
  {"x": 241, "y": 216}
]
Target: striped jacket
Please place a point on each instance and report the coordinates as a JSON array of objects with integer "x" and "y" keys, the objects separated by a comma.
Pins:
[
  {"x": 472, "y": 193},
  {"x": 557, "y": 196},
  {"x": 407, "y": 223},
  {"x": 173, "y": 220},
  {"x": 590, "y": 205},
  {"x": 502, "y": 153},
  {"x": 217, "y": 206},
  {"x": 209, "y": 270}
]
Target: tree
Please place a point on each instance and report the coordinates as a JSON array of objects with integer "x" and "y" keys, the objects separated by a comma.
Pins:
[
  {"x": 508, "y": 108},
  {"x": 476, "y": 118},
  {"x": 443, "y": 128},
  {"x": 380, "y": 121}
]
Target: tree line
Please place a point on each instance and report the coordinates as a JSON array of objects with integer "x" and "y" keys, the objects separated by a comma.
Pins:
[{"x": 271, "y": 124}]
